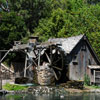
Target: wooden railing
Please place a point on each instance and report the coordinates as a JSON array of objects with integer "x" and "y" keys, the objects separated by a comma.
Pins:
[{"x": 97, "y": 76}]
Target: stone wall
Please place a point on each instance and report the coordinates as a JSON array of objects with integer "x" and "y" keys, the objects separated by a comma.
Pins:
[{"x": 45, "y": 75}]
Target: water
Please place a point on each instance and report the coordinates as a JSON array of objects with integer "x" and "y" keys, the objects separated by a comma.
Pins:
[{"x": 67, "y": 96}]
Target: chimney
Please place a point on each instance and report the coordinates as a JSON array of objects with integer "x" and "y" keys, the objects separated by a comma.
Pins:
[
  {"x": 33, "y": 39},
  {"x": 17, "y": 43}
]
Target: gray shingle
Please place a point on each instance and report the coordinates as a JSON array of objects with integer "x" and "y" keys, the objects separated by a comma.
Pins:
[{"x": 67, "y": 44}]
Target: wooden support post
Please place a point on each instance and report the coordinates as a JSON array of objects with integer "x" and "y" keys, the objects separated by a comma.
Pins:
[
  {"x": 39, "y": 58},
  {"x": 5, "y": 55},
  {"x": 51, "y": 54},
  {"x": 25, "y": 66},
  {"x": 90, "y": 75},
  {"x": 94, "y": 76},
  {"x": 0, "y": 74},
  {"x": 0, "y": 84}
]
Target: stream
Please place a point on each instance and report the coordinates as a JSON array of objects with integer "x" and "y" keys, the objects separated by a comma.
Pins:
[{"x": 56, "y": 96}]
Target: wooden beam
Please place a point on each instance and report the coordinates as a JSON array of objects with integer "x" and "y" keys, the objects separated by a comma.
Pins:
[
  {"x": 3, "y": 50},
  {"x": 57, "y": 60},
  {"x": 39, "y": 58},
  {"x": 51, "y": 54},
  {"x": 5, "y": 55},
  {"x": 54, "y": 54},
  {"x": 0, "y": 74},
  {"x": 55, "y": 75},
  {"x": 48, "y": 58},
  {"x": 29, "y": 66},
  {"x": 0, "y": 84},
  {"x": 94, "y": 76},
  {"x": 57, "y": 68},
  {"x": 25, "y": 66},
  {"x": 35, "y": 63},
  {"x": 0, "y": 59}
]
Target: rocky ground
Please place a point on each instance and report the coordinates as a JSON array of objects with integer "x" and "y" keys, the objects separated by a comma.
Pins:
[
  {"x": 69, "y": 87},
  {"x": 39, "y": 90}
]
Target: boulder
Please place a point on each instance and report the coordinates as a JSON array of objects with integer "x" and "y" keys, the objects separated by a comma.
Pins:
[
  {"x": 21, "y": 80},
  {"x": 75, "y": 84}
]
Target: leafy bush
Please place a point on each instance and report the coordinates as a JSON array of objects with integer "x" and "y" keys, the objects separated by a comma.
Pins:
[
  {"x": 86, "y": 80},
  {"x": 92, "y": 87},
  {"x": 14, "y": 87}
]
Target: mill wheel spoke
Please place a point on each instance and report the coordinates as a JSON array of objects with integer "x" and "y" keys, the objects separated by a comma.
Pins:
[
  {"x": 55, "y": 75},
  {"x": 34, "y": 51},
  {"x": 51, "y": 55},
  {"x": 57, "y": 68},
  {"x": 59, "y": 73},
  {"x": 48, "y": 58},
  {"x": 54, "y": 55},
  {"x": 57, "y": 60},
  {"x": 35, "y": 63}
]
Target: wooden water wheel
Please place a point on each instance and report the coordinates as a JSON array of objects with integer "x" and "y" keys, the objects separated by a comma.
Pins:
[{"x": 54, "y": 56}]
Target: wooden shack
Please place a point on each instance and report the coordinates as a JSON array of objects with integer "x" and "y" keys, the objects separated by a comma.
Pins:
[{"x": 80, "y": 55}]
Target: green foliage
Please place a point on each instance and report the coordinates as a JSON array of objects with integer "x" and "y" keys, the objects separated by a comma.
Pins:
[
  {"x": 12, "y": 28},
  {"x": 13, "y": 87},
  {"x": 69, "y": 18},
  {"x": 86, "y": 80},
  {"x": 31, "y": 10},
  {"x": 92, "y": 87},
  {"x": 2, "y": 1},
  {"x": 49, "y": 18},
  {"x": 95, "y": 41},
  {"x": 51, "y": 27},
  {"x": 4, "y": 5}
]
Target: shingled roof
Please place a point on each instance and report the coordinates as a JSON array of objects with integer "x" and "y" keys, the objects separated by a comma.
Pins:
[{"x": 67, "y": 44}]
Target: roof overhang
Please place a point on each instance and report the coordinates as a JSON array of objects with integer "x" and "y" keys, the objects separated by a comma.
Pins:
[{"x": 94, "y": 67}]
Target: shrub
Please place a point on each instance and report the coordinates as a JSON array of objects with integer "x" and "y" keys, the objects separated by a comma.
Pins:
[
  {"x": 86, "y": 80},
  {"x": 14, "y": 87}
]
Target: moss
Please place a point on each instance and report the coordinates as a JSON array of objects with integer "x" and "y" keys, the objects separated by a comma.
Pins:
[
  {"x": 92, "y": 87},
  {"x": 13, "y": 87}
]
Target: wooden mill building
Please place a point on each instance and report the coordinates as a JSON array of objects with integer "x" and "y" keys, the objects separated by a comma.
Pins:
[
  {"x": 70, "y": 58},
  {"x": 79, "y": 58}
]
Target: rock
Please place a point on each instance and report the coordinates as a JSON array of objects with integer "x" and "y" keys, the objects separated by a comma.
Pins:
[
  {"x": 3, "y": 92},
  {"x": 62, "y": 96},
  {"x": 75, "y": 84},
  {"x": 30, "y": 89},
  {"x": 21, "y": 80},
  {"x": 35, "y": 77}
]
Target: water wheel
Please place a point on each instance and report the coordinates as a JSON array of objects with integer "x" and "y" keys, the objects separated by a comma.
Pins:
[{"x": 54, "y": 56}]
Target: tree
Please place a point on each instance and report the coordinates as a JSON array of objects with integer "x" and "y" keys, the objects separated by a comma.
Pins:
[
  {"x": 50, "y": 27},
  {"x": 4, "y": 5},
  {"x": 72, "y": 20},
  {"x": 12, "y": 27},
  {"x": 31, "y": 11}
]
